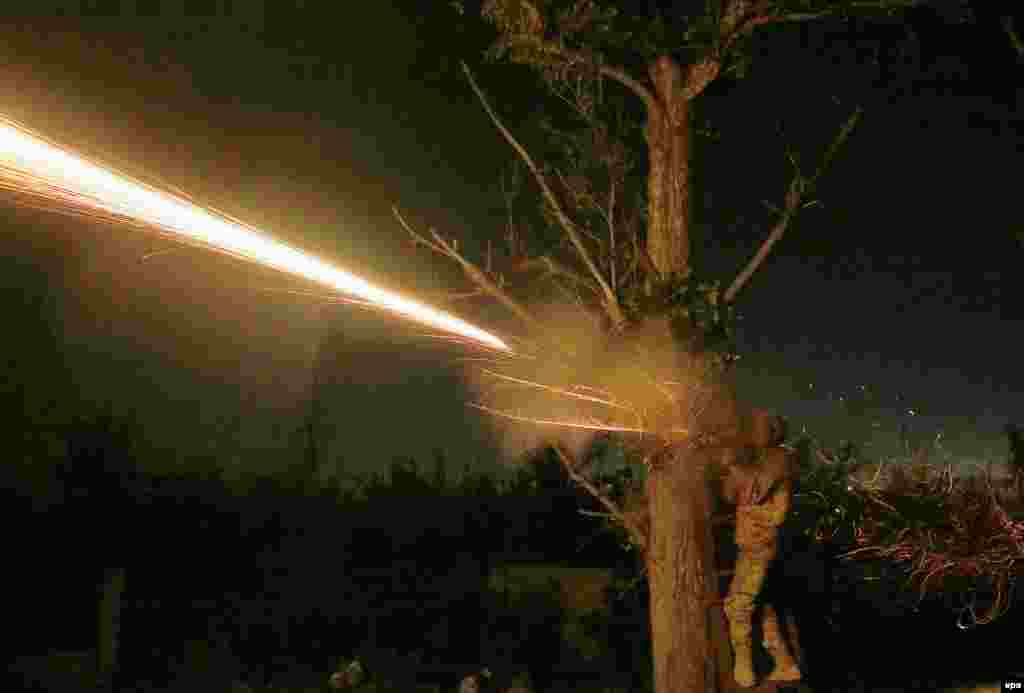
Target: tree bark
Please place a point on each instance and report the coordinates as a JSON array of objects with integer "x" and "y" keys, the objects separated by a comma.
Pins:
[
  {"x": 680, "y": 579},
  {"x": 680, "y": 559},
  {"x": 668, "y": 187}
]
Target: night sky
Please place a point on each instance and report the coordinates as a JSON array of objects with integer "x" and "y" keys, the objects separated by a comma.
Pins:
[{"x": 900, "y": 292}]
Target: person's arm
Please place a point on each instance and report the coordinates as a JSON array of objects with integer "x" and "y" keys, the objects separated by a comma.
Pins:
[
  {"x": 778, "y": 504},
  {"x": 772, "y": 510}
]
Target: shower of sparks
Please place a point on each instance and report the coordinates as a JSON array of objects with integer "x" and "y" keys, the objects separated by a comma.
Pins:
[
  {"x": 585, "y": 425},
  {"x": 46, "y": 176},
  {"x": 33, "y": 167},
  {"x": 559, "y": 390}
]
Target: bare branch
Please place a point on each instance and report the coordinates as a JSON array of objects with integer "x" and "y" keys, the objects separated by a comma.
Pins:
[
  {"x": 841, "y": 7},
  {"x": 475, "y": 274},
  {"x": 581, "y": 198},
  {"x": 610, "y": 302},
  {"x": 635, "y": 531},
  {"x": 633, "y": 85},
  {"x": 837, "y": 143},
  {"x": 553, "y": 49},
  {"x": 793, "y": 198},
  {"x": 799, "y": 187}
]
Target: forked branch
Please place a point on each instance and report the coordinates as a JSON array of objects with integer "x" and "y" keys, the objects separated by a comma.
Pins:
[
  {"x": 799, "y": 188},
  {"x": 447, "y": 248},
  {"x": 610, "y": 302}
]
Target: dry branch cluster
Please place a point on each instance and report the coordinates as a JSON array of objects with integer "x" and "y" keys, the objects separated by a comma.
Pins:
[{"x": 943, "y": 528}]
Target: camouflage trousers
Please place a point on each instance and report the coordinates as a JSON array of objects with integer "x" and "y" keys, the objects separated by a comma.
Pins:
[{"x": 747, "y": 583}]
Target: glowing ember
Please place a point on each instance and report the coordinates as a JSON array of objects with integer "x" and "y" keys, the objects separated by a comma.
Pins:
[{"x": 31, "y": 166}]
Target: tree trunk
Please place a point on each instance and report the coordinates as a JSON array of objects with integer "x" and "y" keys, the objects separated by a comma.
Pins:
[
  {"x": 680, "y": 558},
  {"x": 668, "y": 181},
  {"x": 681, "y": 581}
]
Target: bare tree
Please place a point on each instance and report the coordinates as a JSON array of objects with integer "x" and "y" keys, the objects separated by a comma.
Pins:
[{"x": 622, "y": 206}]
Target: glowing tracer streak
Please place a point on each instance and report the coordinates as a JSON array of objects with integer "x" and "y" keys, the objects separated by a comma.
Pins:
[
  {"x": 612, "y": 428},
  {"x": 38, "y": 166}
]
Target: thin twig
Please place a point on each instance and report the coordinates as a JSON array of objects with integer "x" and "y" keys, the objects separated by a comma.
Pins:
[
  {"x": 557, "y": 269},
  {"x": 618, "y": 74}
]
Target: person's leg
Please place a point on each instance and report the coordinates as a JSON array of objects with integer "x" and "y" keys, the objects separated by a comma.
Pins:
[
  {"x": 775, "y": 642},
  {"x": 739, "y": 608}
]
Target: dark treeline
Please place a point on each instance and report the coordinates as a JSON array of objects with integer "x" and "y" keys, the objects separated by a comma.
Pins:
[{"x": 273, "y": 578}]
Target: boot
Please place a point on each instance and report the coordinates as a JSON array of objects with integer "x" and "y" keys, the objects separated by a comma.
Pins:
[
  {"x": 743, "y": 665},
  {"x": 786, "y": 668},
  {"x": 743, "y": 660}
]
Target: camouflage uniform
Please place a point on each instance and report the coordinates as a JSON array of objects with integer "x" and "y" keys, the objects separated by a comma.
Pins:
[{"x": 761, "y": 492}]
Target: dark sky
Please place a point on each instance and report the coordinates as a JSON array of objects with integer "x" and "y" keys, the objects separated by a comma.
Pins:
[{"x": 311, "y": 122}]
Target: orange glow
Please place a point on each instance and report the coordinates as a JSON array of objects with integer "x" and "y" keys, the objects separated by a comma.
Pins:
[
  {"x": 31, "y": 166},
  {"x": 558, "y": 390}
]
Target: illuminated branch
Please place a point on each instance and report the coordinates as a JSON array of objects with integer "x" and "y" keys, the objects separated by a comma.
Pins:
[
  {"x": 555, "y": 268},
  {"x": 635, "y": 531},
  {"x": 610, "y": 303},
  {"x": 799, "y": 187},
  {"x": 475, "y": 274}
]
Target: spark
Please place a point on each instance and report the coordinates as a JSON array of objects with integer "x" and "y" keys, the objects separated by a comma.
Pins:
[
  {"x": 598, "y": 426},
  {"x": 558, "y": 390},
  {"x": 50, "y": 175}
]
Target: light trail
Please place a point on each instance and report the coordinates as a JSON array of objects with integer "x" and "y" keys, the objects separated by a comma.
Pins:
[
  {"x": 29, "y": 165},
  {"x": 558, "y": 390},
  {"x": 600, "y": 426}
]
